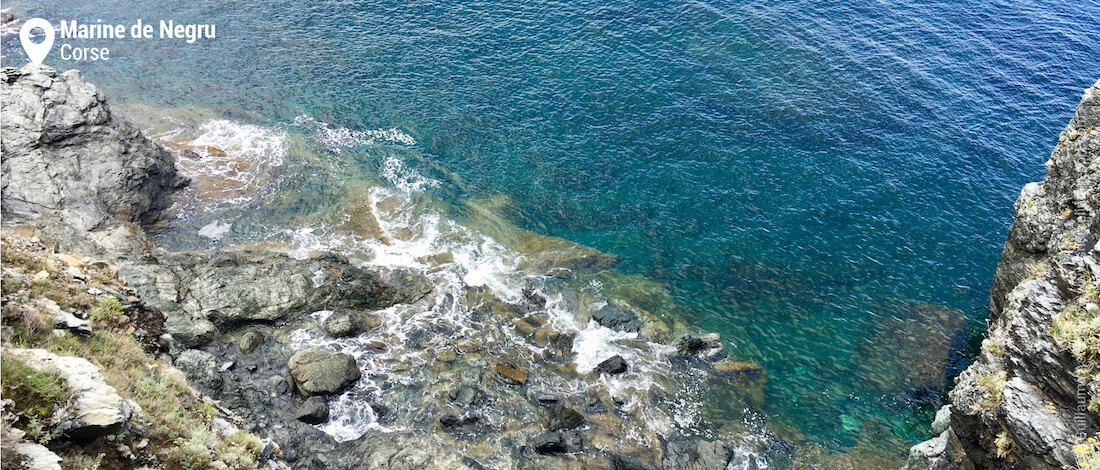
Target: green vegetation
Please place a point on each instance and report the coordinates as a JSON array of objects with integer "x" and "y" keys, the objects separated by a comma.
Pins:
[
  {"x": 37, "y": 394},
  {"x": 994, "y": 384},
  {"x": 176, "y": 421},
  {"x": 107, "y": 309},
  {"x": 1078, "y": 331}
]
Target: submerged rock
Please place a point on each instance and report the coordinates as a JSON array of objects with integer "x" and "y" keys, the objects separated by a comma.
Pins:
[
  {"x": 512, "y": 373},
  {"x": 318, "y": 371},
  {"x": 562, "y": 417}
]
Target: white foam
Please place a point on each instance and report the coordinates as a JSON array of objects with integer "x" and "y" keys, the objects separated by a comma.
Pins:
[
  {"x": 229, "y": 162},
  {"x": 214, "y": 230},
  {"x": 336, "y": 139}
]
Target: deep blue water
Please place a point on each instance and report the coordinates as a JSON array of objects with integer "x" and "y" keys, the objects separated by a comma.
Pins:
[{"x": 827, "y": 184}]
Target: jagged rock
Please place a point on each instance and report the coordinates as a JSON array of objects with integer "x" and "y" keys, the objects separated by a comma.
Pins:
[
  {"x": 613, "y": 365},
  {"x": 75, "y": 162},
  {"x": 318, "y": 371},
  {"x": 558, "y": 442},
  {"x": 465, "y": 423},
  {"x": 707, "y": 347},
  {"x": 1016, "y": 406},
  {"x": 220, "y": 288},
  {"x": 66, "y": 320},
  {"x": 617, "y": 317},
  {"x": 97, "y": 409},
  {"x": 201, "y": 369},
  {"x": 313, "y": 411}
]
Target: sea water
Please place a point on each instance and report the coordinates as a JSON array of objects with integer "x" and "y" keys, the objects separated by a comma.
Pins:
[{"x": 826, "y": 184}]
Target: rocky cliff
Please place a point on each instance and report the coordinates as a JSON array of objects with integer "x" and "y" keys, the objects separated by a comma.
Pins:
[{"x": 1030, "y": 399}]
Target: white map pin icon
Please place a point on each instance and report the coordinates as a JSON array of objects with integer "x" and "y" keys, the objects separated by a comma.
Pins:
[{"x": 37, "y": 52}]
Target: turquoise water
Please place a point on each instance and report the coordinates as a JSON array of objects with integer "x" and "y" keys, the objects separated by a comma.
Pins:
[{"x": 826, "y": 185}]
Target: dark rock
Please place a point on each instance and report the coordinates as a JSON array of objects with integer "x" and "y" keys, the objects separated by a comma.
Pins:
[
  {"x": 707, "y": 347},
  {"x": 464, "y": 423},
  {"x": 318, "y": 371},
  {"x": 617, "y": 317},
  {"x": 201, "y": 369},
  {"x": 545, "y": 399},
  {"x": 550, "y": 443},
  {"x": 625, "y": 462},
  {"x": 313, "y": 411},
  {"x": 613, "y": 365},
  {"x": 561, "y": 417}
]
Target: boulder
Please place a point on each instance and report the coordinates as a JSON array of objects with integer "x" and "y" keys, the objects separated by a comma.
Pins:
[
  {"x": 313, "y": 411},
  {"x": 562, "y": 417},
  {"x": 319, "y": 371},
  {"x": 613, "y": 365},
  {"x": 97, "y": 408},
  {"x": 341, "y": 324}
]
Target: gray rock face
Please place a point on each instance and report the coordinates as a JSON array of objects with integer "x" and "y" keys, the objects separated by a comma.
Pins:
[
  {"x": 1019, "y": 406},
  {"x": 204, "y": 292},
  {"x": 319, "y": 371},
  {"x": 68, "y": 158},
  {"x": 98, "y": 410}
]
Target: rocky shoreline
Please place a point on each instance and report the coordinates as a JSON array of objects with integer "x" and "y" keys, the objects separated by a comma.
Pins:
[
  {"x": 273, "y": 341},
  {"x": 1030, "y": 399}
]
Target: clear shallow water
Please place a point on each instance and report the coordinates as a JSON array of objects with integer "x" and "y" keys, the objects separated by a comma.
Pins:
[{"x": 828, "y": 186}]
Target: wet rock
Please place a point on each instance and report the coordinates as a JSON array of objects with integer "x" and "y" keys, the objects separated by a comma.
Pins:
[
  {"x": 97, "y": 408},
  {"x": 464, "y": 423},
  {"x": 466, "y": 395},
  {"x": 511, "y": 373},
  {"x": 562, "y": 417},
  {"x": 746, "y": 370},
  {"x": 249, "y": 341},
  {"x": 313, "y": 411},
  {"x": 201, "y": 369},
  {"x": 617, "y": 317},
  {"x": 625, "y": 462},
  {"x": 558, "y": 442},
  {"x": 318, "y": 371},
  {"x": 409, "y": 451},
  {"x": 545, "y": 399},
  {"x": 342, "y": 324},
  {"x": 707, "y": 347},
  {"x": 613, "y": 365},
  {"x": 550, "y": 443}
]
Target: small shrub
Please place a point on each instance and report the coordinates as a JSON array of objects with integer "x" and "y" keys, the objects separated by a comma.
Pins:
[
  {"x": 1003, "y": 444},
  {"x": 1037, "y": 270},
  {"x": 995, "y": 346},
  {"x": 194, "y": 452},
  {"x": 107, "y": 309},
  {"x": 1088, "y": 454},
  {"x": 994, "y": 384},
  {"x": 1078, "y": 331}
]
